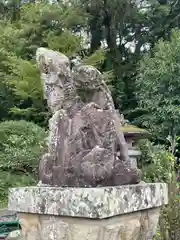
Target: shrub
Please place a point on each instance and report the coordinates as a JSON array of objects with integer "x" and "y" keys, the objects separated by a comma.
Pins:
[
  {"x": 21, "y": 145},
  {"x": 169, "y": 222},
  {"x": 158, "y": 165}
]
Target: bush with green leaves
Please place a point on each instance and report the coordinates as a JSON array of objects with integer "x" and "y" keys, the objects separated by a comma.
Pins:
[
  {"x": 157, "y": 164},
  {"x": 21, "y": 145},
  {"x": 169, "y": 221}
]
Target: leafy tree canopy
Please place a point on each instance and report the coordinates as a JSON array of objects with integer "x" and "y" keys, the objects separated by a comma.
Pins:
[{"x": 158, "y": 86}]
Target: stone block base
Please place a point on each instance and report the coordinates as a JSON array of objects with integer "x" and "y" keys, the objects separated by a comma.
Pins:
[
  {"x": 135, "y": 226},
  {"x": 110, "y": 213}
]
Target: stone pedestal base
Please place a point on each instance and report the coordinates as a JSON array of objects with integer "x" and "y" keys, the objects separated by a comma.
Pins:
[
  {"x": 111, "y": 213},
  {"x": 136, "y": 226}
]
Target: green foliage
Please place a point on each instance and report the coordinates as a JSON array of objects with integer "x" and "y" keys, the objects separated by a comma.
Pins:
[
  {"x": 51, "y": 25},
  {"x": 96, "y": 59},
  {"x": 128, "y": 30},
  {"x": 158, "y": 85},
  {"x": 6, "y": 95},
  {"x": 170, "y": 217},
  {"x": 21, "y": 92},
  {"x": 57, "y": 25},
  {"x": 9, "y": 35},
  {"x": 21, "y": 146},
  {"x": 38, "y": 24},
  {"x": 157, "y": 164},
  {"x": 67, "y": 43},
  {"x": 25, "y": 83},
  {"x": 25, "y": 80}
]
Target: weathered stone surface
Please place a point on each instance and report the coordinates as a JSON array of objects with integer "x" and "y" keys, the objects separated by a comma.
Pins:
[
  {"x": 55, "y": 68},
  {"x": 88, "y": 202},
  {"x": 91, "y": 87},
  {"x": 84, "y": 136},
  {"x": 30, "y": 226},
  {"x": 135, "y": 226},
  {"x": 58, "y": 86},
  {"x": 134, "y": 154}
]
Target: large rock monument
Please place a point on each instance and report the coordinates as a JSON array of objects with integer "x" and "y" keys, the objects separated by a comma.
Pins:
[
  {"x": 87, "y": 187},
  {"x": 84, "y": 130}
]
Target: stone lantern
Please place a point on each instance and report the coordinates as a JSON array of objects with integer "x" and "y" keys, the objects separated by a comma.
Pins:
[{"x": 132, "y": 135}]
